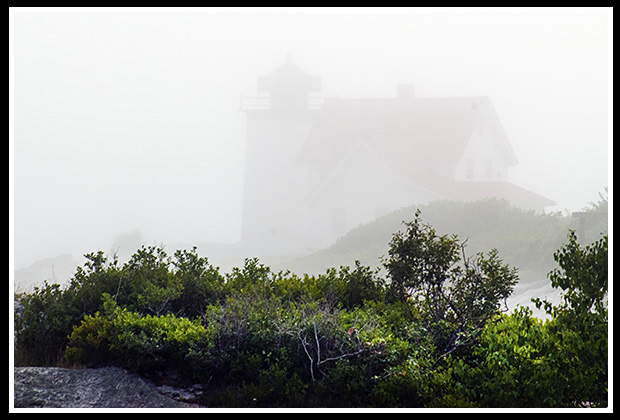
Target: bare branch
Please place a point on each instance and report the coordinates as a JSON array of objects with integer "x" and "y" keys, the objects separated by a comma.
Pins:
[
  {"x": 342, "y": 356},
  {"x": 318, "y": 346},
  {"x": 304, "y": 345}
]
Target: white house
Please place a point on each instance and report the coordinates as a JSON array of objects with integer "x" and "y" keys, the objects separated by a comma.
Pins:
[{"x": 317, "y": 168}]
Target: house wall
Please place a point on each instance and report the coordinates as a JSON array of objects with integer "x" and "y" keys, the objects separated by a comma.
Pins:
[
  {"x": 482, "y": 159},
  {"x": 358, "y": 191}
]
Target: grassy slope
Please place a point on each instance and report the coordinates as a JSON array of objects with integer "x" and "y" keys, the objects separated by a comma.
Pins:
[{"x": 524, "y": 239}]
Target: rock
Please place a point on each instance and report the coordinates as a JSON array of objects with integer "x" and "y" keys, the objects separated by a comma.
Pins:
[
  {"x": 179, "y": 394},
  {"x": 87, "y": 388}
]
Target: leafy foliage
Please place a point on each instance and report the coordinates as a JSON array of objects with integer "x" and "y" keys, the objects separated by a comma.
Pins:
[
  {"x": 455, "y": 300},
  {"x": 582, "y": 275},
  {"x": 139, "y": 343},
  {"x": 431, "y": 334},
  {"x": 524, "y": 362},
  {"x": 149, "y": 283},
  {"x": 527, "y": 239}
]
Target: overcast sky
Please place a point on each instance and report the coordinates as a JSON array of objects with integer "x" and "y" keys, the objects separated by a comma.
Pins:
[{"x": 128, "y": 120}]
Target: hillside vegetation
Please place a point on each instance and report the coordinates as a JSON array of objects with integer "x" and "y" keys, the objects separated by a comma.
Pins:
[
  {"x": 430, "y": 330},
  {"x": 526, "y": 239}
]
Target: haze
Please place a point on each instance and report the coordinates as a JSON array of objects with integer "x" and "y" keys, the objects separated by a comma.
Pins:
[{"x": 130, "y": 120}]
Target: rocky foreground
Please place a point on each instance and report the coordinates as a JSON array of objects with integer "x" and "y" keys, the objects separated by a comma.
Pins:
[{"x": 110, "y": 387}]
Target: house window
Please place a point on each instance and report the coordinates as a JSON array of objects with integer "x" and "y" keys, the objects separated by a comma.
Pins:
[{"x": 469, "y": 168}]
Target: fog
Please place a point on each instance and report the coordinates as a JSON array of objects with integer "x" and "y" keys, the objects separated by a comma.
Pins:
[{"x": 127, "y": 122}]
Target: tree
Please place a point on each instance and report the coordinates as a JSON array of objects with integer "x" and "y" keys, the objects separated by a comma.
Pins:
[
  {"x": 583, "y": 276},
  {"x": 522, "y": 361},
  {"x": 454, "y": 295},
  {"x": 580, "y": 322}
]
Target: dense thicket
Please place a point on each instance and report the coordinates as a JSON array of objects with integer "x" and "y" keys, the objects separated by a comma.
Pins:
[{"x": 431, "y": 333}]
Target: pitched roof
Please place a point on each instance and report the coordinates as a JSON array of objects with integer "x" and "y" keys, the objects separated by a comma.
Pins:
[
  {"x": 289, "y": 76},
  {"x": 401, "y": 131},
  {"x": 478, "y": 190},
  {"x": 409, "y": 136}
]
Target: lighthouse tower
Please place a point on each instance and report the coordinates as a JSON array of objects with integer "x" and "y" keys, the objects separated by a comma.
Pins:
[{"x": 278, "y": 122}]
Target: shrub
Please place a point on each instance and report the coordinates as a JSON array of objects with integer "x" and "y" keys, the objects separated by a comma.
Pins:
[
  {"x": 432, "y": 336},
  {"x": 41, "y": 330},
  {"x": 454, "y": 296},
  {"x": 522, "y": 361},
  {"x": 149, "y": 283},
  {"x": 202, "y": 284},
  {"x": 139, "y": 343}
]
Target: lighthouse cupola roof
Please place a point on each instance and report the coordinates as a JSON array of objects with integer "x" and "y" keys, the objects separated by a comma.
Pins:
[{"x": 289, "y": 87}]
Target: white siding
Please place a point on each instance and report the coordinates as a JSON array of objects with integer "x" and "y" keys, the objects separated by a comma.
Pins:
[
  {"x": 274, "y": 186},
  {"x": 359, "y": 190},
  {"x": 482, "y": 159}
]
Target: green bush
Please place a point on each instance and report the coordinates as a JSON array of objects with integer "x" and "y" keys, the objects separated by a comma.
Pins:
[
  {"x": 41, "y": 330},
  {"x": 455, "y": 295},
  {"x": 149, "y": 283},
  {"x": 430, "y": 334},
  {"x": 139, "y": 343},
  {"x": 521, "y": 361}
]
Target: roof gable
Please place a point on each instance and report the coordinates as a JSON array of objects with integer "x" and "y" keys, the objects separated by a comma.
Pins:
[
  {"x": 402, "y": 131},
  {"x": 359, "y": 153}
]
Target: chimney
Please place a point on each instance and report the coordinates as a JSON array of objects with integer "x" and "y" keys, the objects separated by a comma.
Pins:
[{"x": 405, "y": 91}]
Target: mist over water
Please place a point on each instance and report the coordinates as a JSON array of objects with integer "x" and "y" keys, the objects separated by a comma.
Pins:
[{"x": 128, "y": 127}]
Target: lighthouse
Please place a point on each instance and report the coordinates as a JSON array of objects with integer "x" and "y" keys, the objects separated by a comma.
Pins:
[{"x": 279, "y": 119}]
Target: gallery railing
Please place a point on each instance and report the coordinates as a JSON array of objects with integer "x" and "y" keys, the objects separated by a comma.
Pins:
[{"x": 263, "y": 102}]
